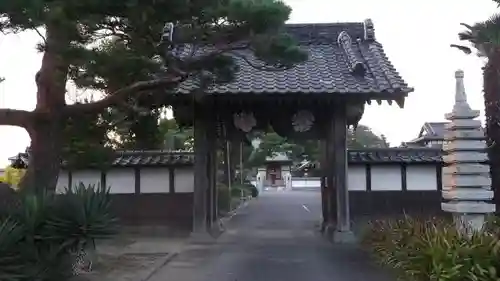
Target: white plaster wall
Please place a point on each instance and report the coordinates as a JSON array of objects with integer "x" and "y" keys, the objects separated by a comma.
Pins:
[
  {"x": 155, "y": 180},
  {"x": 184, "y": 180},
  {"x": 285, "y": 168},
  {"x": 356, "y": 178},
  {"x": 87, "y": 177},
  {"x": 386, "y": 178},
  {"x": 121, "y": 181},
  {"x": 421, "y": 178},
  {"x": 62, "y": 182},
  {"x": 262, "y": 175},
  {"x": 287, "y": 179},
  {"x": 306, "y": 182}
]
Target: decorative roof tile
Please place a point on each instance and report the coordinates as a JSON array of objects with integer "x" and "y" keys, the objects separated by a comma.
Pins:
[{"x": 344, "y": 58}]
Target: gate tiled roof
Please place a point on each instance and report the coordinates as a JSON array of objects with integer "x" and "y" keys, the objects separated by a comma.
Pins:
[{"x": 344, "y": 58}]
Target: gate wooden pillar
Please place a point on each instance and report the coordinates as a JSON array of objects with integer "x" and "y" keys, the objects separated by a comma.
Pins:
[
  {"x": 338, "y": 226},
  {"x": 329, "y": 170},
  {"x": 204, "y": 172},
  {"x": 343, "y": 232},
  {"x": 212, "y": 175},
  {"x": 324, "y": 190}
]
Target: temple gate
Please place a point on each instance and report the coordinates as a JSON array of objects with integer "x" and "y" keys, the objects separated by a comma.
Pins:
[{"x": 318, "y": 99}]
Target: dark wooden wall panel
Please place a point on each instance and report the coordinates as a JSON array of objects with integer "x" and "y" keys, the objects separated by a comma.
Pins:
[
  {"x": 364, "y": 203},
  {"x": 173, "y": 210}
]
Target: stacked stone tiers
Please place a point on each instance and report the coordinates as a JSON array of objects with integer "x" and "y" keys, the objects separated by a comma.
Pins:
[{"x": 466, "y": 179}]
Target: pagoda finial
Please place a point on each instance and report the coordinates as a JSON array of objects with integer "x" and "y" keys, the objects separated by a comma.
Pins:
[{"x": 461, "y": 103}]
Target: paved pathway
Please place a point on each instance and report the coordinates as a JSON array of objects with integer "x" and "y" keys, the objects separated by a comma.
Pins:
[{"x": 275, "y": 238}]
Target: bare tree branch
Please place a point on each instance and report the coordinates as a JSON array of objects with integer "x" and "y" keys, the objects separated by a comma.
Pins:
[
  {"x": 263, "y": 67},
  {"x": 40, "y": 34}
]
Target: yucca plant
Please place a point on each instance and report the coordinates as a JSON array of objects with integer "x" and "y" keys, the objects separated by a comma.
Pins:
[
  {"x": 83, "y": 215},
  {"x": 434, "y": 249},
  {"x": 39, "y": 239},
  {"x": 42, "y": 258},
  {"x": 11, "y": 267}
]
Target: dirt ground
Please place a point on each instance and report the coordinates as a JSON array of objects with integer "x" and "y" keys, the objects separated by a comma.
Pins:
[{"x": 134, "y": 255}]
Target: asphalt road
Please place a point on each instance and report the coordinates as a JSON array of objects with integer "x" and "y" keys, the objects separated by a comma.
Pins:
[{"x": 275, "y": 238}]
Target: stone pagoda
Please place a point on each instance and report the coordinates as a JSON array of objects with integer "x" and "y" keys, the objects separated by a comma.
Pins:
[{"x": 466, "y": 180}]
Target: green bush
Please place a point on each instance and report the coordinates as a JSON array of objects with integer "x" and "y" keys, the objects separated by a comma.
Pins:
[
  {"x": 434, "y": 249},
  {"x": 247, "y": 188},
  {"x": 253, "y": 190},
  {"x": 40, "y": 236},
  {"x": 223, "y": 198},
  {"x": 237, "y": 190}
]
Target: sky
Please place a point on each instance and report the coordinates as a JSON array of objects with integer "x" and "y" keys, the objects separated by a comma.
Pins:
[{"x": 415, "y": 34}]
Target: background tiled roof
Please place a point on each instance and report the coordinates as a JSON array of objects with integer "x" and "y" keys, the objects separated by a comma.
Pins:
[
  {"x": 327, "y": 70},
  {"x": 436, "y": 128}
]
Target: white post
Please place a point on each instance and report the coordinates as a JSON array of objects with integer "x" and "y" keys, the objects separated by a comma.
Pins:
[{"x": 466, "y": 180}]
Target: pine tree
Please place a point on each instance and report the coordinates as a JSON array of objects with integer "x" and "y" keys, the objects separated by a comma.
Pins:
[{"x": 113, "y": 46}]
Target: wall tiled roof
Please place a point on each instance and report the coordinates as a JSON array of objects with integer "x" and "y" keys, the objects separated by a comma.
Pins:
[
  {"x": 396, "y": 155},
  {"x": 344, "y": 58},
  {"x": 153, "y": 158},
  {"x": 159, "y": 158}
]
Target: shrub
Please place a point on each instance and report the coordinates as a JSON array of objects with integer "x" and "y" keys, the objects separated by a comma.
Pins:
[
  {"x": 223, "y": 197},
  {"x": 248, "y": 189},
  {"x": 253, "y": 190},
  {"x": 434, "y": 249},
  {"x": 12, "y": 176},
  {"x": 237, "y": 190},
  {"x": 40, "y": 236}
]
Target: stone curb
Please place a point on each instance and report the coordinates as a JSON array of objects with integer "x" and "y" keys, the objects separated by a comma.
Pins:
[
  {"x": 158, "y": 265},
  {"x": 231, "y": 214}
]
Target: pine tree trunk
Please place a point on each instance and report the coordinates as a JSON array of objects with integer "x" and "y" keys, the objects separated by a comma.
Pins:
[
  {"x": 46, "y": 131},
  {"x": 491, "y": 85},
  {"x": 44, "y": 156}
]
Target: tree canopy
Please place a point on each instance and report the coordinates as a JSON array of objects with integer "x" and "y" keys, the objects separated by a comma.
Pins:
[
  {"x": 298, "y": 150},
  {"x": 177, "y": 138},
  {"x": 116, "y": 48}
]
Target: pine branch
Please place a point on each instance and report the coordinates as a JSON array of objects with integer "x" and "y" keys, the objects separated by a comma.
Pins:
[
  {"x": 121, "y": 95},
  {"x": 15, "y": 117}
]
